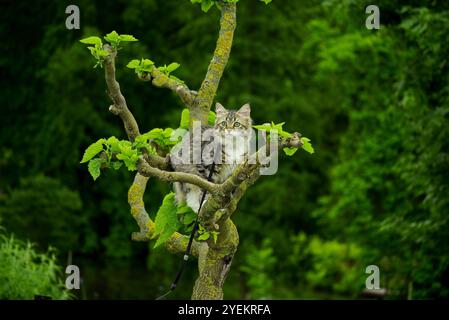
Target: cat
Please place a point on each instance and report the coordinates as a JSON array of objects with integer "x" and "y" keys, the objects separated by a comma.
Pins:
[{"x": 228, "y": 146}]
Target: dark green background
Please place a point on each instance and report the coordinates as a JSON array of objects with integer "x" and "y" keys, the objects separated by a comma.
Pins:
[{"x": 374, "y": 103}]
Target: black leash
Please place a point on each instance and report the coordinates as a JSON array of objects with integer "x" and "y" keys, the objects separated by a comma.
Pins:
[{"x": 189, "y": 245}]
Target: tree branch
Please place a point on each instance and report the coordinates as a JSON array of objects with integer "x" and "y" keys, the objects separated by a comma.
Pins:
[
  {"x": 230, "y": 208},
  {"x": 228, "y": 195},
  {"x": 119, "y": 106},
  {"x": 177, "y": 243},
  {"x": 209, "y": 86},
  {"x": 157, "y": 161},
  {"x": 221, "y": 205},
  {"x": 171, "y": 176},
  {"x": 161, "y": 80},
  {"x": 293, "y": 142}
]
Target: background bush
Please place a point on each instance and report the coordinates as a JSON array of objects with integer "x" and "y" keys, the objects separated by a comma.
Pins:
[{"x": 24, "y": 272}]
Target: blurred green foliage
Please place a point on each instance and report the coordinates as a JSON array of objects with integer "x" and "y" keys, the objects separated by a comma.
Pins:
[
  {"x": 327, "y": 264},
  {"x": 43, "y": 209},
  {"x": 258, "y": 267},
  {"x": 374, "y": 103},
  {"x": 25, "y": 273}
]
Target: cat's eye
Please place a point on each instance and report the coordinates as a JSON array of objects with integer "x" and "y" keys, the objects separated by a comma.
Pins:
[
  {"x": 236, "y": 124},
  {"x": 223, "y": 124}
]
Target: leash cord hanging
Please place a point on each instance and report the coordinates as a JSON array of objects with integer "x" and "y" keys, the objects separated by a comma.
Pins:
[{"x": 189, "y": 245}]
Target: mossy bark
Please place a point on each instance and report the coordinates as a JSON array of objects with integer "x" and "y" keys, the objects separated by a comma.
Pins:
[
  {"x": 199, "y": 110},
  {"x": 215, "y": 262}
]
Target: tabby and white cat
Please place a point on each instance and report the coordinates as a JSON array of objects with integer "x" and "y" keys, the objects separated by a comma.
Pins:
[{"x": 231, "y": 137}]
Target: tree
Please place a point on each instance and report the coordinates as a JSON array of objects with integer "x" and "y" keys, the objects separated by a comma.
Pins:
[{"x": 148, "y": 154}]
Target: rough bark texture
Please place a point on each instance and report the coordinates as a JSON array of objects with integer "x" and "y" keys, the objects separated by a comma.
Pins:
[
  {"x": 209, "y": 86},
  {"x": 215, "y": 263}
]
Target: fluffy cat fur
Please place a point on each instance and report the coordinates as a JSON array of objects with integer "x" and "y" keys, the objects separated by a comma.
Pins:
[{"x": 233, "y": 130}]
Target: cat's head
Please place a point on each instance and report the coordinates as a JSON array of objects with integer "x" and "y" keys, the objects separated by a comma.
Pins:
[{"x": 233, "y": 119}]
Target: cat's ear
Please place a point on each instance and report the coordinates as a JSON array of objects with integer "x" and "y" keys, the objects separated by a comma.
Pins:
[
  {"x": 245, "y": 110},
  {"x": 219, "y": 108}
]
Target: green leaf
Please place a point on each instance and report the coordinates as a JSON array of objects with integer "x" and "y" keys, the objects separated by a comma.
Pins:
[
  {"x": 146, "y": 65},
  {"x": 166, "y": 222},
  {"x": 112, "y": 37},
  {"x": 284, "y": 134},
  {"x": 162, "y": 69},
  {"x": 122, "y": 156},
  {"x": 151, "y": 149},
  {"x": 167, "y": 133},
  {"x": 189, "y": 217},
  {"x": 176, "y": 79},
  {"x": 203, "y": 236},
  {"x": 93, "y": 150},
  {"x": 130, "y": 164},
  {"x": 183, "y": 209},
  {"x": 141, "y": 145},
  {"x": 102, "y": 53},
  {"x": 277, "y": 126},
  {"x": 172, "y": 67},
  {"x": 113, "y": 142},
  {"x": 143, "y": 138},
  {"x": 94, "y": 168},
  {"x": 307, "y": 146},
  {"x": 127, "y": 38},
  {"x": 92, "y": 50},
  {"x": 147, "y": 62},
  {"x": 185, "y": 118},
  {"x": 290, "y": 151},
  {"x": 266, "y": 1},
  {"x": 125, "y": 147},
  {"x": 263, "y": 127},
  {"x": 129, "y": 157},
  {"x": 92, "y": 40},
  {"x": 155, "y": 134},
  {"x": 211, "y": 118},
  {"x": 116, "y": 165},
  {"x": 206, "y": 5},
  {"x": 215, "y": 235},
  {"x": 133, "y": 64},
  {"x": 99, "y": 63}
]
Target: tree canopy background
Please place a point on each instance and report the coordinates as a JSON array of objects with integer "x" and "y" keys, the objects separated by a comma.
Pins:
[{"x": 374, "y": 102}]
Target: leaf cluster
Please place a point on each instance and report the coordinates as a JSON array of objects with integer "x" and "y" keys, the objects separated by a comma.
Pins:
[
  {"x": 96, "y": 45},
  {"x": 144, "y": 67},
  {"x": 171, "y": 218},
  {"x": 272, "y": 127}
]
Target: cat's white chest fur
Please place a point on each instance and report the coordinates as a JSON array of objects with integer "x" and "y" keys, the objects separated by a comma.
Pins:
[
  {"x": 234, "y": 151},
  {"x": 235, "y": 147}
]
